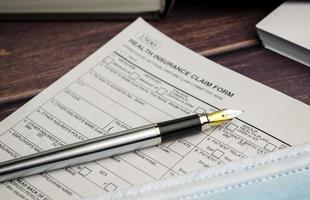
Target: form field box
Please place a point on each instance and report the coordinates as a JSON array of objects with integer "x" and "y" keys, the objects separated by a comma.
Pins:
[
  {"x": 231, "y": 126},
  {"x": 110, "y": 187},
  {"x": 134, "y": 76},
  {"x": 108, "y": 60},
  {"x": 200, "y": 110},
  {"x": 161, "y": 91},
  {"x": 218, "y": 153},
  {"x": 85, "y": 171},
  {"x": 270, "y": 146}
]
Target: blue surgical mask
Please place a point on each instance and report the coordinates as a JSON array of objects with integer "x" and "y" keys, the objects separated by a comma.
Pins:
[{"x": 280, "y": 175}]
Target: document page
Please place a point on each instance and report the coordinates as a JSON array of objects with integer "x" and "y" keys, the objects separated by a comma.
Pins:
[{"x": 140, "y": 77}]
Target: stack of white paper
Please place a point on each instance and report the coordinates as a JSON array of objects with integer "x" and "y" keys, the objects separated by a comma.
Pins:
[{"x": 287, "y": 31}]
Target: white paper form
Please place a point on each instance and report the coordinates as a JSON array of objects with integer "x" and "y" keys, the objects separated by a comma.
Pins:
[{"x": 139, "y": 77}]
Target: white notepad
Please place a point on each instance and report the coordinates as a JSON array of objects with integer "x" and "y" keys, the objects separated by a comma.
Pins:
[
  {"x": 139, "y": 77},
  {"x": 286, "y": 30}
]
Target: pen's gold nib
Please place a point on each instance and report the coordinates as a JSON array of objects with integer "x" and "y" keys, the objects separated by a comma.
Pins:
[{"x": 222, "y": 116}]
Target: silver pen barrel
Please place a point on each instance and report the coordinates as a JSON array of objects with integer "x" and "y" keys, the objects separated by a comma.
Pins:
[
  {"x": 81, "y": 152},
  {"x": 106, "y": 146}
]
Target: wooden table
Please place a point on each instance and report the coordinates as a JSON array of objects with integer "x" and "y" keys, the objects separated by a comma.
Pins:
[{"x": 34, "y": 54}]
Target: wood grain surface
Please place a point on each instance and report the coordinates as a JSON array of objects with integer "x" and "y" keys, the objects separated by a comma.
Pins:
[{"x": 35, "y": 54}]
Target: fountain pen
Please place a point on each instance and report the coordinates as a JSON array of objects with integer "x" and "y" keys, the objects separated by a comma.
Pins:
[{"x": 117, "y": 143}]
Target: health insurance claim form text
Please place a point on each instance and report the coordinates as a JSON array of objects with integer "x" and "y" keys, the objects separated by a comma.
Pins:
[{"x": 140, "y": 77}]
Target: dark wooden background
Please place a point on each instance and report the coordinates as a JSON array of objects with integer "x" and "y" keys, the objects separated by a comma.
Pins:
[{"x": 35, "y": 54}]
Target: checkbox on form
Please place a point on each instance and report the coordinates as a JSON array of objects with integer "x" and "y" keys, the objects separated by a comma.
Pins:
[
  {"x": 134, "y": 76},
  {"x": 218, "y": 153},
  {"x": 110, "y": 187},
  {"x": 270, "y": 147},
  {"x": 200, "y": 110},
  {"x": 161, "y": 91},
  {"x": 85, "y": 171},
  {"x": 231, "y": 126},
  {"x": 108, "y": 60}
]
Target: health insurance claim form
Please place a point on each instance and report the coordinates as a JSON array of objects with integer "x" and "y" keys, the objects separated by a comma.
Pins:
[{"x": 139, "y": 77}]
